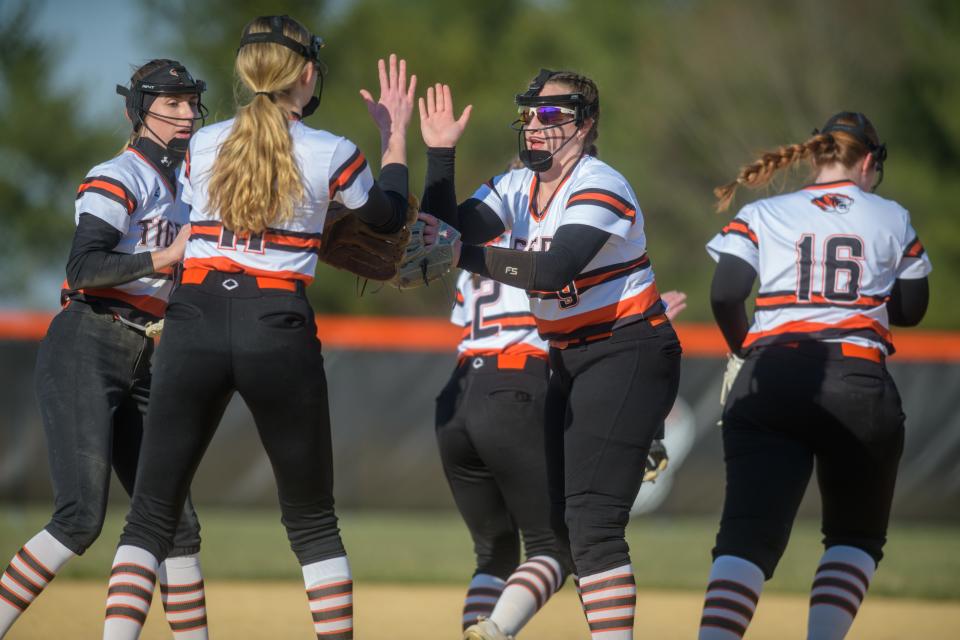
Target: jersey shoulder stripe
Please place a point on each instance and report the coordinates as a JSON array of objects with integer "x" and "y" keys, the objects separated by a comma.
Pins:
[
  {"x": 110, "y": 188},
  {"x": 740, "y": 227},
  {"x": 605, "y": 199},
  {"x": 914, "y": 249},
  {"x": 347, "y": 173}
]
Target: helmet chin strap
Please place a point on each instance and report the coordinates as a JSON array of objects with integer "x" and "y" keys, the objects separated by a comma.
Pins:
[
  {"x": 177, "y": 147},
  {"x": 539, "y": 160}
]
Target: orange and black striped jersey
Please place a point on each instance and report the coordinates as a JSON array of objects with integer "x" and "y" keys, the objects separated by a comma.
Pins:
[
  {"x": 332, "y": 169},
  {"x": 134, "y": 196},
  {"x": 827, "y": 257},
  {"x": 495, "y": 317},
  {"x": 617, "y": 286}
]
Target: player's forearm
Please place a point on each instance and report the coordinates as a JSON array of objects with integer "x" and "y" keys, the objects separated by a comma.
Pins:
[
  {"x": 908, "y": 302},
  {"x": 731, "y": 286},
  {"x": 475, "y": 221},
  {"x": 439, "y": 189},
  {"x": 94, "y": 264},
  {"x": 572, "y": 249},
  {"x": 386, "y": 207}
]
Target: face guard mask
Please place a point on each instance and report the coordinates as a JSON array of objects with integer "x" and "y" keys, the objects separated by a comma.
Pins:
[
  {"x": 170, "y": 79},
  {"x": 310, "y": 51},
  {"x": 859, "y": 131},
  {"x": 552, "y": 112}
]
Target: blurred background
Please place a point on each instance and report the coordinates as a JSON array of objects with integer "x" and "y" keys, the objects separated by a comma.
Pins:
[{"x": 690, "y": 91}]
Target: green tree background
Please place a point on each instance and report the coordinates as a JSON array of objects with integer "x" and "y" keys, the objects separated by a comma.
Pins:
[{"x": 690, "y": 90}]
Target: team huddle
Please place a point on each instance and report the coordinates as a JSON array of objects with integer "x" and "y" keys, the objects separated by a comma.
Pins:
[{"x": 567, "y": 369}]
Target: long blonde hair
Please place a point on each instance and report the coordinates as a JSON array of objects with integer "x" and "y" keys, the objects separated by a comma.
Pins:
[
  {"x": 255, "y": 181},
  {"x": 822, "y": 149}
]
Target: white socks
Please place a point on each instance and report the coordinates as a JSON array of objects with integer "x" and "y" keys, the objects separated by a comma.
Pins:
[
  {"x": 527, "y": 590},
  {"x": 29, "y": 572},
  {"x": 733, "y": 592},
  {"x": 839, "y": 587},
  {"x": 330, "y": 592},
  {"x": 482, "y": 596},
  {"x": 609, "y": 601},
  {"x": 183, "y": 597},
  {"x": 129, "y": 593}
]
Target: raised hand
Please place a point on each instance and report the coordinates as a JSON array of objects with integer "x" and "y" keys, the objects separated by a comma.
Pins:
[
  {"x": 438, "y": 124},
  {"x": 393, "y": 110}
]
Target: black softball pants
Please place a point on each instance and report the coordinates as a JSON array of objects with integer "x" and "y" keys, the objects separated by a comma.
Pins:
[
  {"x": 789, "y": 408},
  {"x": 490, "y": 432},
  {"x": 606, "y": 402},
  {"x": 224, "y": 335},
  {"x": 93, "y": 386}
]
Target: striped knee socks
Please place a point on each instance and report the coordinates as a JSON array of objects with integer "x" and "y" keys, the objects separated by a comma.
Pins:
[
  {"x": 29, "y": 572},
  {"x": 330, "y": 592},
  {"x": 183, "y": 597},
  {"x": 527, "y": 590},
  {"x": 482, "y": 596},
  {"x": 609, "y": 602},
  {"x": 839, "y": 587},
  {"x": 130, "y": 591},
  {"x": 733, "y": 592}
]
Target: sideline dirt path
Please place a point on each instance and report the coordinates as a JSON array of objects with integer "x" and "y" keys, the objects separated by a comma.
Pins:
[{"x": 277, "y": 610}]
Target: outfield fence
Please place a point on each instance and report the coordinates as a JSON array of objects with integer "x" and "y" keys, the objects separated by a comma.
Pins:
[{"x": 384, "y": 374}]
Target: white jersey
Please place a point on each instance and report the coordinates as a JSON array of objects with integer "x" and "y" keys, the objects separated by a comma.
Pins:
[
  {"x": 332, "y": 170},
  {"x": 130, "y": 194},
  {"x": 496, "y": 318},
  {"x": 827, "y": 257},
  {"x": 617, "y": 287}
]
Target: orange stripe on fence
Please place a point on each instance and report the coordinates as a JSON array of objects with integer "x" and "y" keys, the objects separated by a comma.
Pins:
[{"x": 372, "y": 333}]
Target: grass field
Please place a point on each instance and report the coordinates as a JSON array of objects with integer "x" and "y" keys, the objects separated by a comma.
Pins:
[
  {"x": 410, "y": 570},
  {"x": 922, "y": 560}
]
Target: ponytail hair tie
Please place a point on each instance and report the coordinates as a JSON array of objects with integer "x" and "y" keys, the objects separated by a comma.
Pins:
[{"x": 266, "y": 93}]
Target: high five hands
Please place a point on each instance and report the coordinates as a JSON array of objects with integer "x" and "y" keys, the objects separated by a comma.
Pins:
[
  {"x": 438, "y": 124},
  {"x": 393, "y": 110}
]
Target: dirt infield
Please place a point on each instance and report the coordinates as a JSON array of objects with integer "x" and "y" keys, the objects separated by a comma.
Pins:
[{"x": 272, "y": 610}]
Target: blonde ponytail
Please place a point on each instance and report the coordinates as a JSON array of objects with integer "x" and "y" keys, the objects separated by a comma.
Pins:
[{"x": 255, "y": 181}]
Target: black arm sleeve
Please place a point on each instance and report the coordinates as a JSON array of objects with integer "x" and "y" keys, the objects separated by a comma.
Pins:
[
  {"x": 386, "y": 207},
  {"x": 476, "y": 222},
  {"x": 908, "y": 302},
  {"x": 732, "y": 284},
  {"x": 572, "y": 249},
  {"x": 93, "y": 261}
]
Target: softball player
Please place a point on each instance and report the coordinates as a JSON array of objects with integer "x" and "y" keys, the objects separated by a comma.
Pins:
[
  {"x": 260, "y": 185},
  {"x": 579, "y": 250},
  {"x": 837, "y": 265},
  {"x": 93, "y": 368},
  {"x": 490, "y": 433}
]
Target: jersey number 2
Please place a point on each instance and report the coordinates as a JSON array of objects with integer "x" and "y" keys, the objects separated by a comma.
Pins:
[
  {"x": 841, "y": 267},
  {"x": 483, "y": 299}
]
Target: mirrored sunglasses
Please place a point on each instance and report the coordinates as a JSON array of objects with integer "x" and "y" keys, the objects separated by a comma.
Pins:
[{"x": 546, "y": 114}]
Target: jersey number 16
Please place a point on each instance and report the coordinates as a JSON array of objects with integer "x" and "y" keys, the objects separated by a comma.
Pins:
[{"x": 840, "y": 265}]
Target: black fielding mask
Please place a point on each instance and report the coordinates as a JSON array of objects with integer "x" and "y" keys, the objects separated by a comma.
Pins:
[
  {"x": 540, "y": 160},
  {"x": 170, "y": 79},
  {"x": 309, "y": 51},
  {"x": 878, "y": 151}
]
